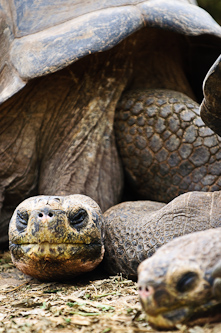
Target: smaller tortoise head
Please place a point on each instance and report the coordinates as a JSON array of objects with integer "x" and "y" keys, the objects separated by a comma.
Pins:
[
  {"x": 54, "y": 238},
  {"x": 177, "y": 283}
]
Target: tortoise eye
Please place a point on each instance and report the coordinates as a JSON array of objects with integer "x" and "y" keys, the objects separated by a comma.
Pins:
[
  {"x": 21, "y": 220},
  {"x": 77, "y": 219},
  {"x": 187, "y": 282}
]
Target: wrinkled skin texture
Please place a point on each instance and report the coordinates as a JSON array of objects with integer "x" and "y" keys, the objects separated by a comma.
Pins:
[
  {"x": 53, "y": 125},
  {"x": 181, "y": 279},
  {"x": 53, "y": 238},
  {"x": 135, "y": 230}
]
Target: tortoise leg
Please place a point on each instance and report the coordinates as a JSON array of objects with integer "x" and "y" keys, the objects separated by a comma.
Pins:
[
  {"x": 165, "y": 146},
  {"x": 78, "y": 149}
]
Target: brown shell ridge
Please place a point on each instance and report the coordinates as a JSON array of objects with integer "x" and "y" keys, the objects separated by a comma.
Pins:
[{"x": 56, "y": 47}]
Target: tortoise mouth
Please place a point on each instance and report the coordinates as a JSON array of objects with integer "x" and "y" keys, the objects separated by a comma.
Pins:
[
  {"x": 52, "y": 244},
  {"x": 55, "y": 262},
  {"x": 56, "y": 251},
  {"x": 169, "y": 319}
]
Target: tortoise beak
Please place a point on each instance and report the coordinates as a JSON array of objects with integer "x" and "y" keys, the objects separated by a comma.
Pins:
[{"x": 146, "y": 293}]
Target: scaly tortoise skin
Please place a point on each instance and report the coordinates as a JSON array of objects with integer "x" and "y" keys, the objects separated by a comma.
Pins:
[
  {"x": 57, "y": 134},
  {"x": 182, "y": 279},
  {"x": 134, "y": 231},
  {"x": 157, "y": 132},
  {"x": 54, "y": 238}
]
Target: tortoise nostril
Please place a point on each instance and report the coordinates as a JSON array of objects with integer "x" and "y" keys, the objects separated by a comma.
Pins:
[
  {"x": 45, "y": 213},
  {"x": 144, "y": 288}
]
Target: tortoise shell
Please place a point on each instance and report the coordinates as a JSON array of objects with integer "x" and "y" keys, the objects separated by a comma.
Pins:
[
  {"x": 41, "y": 37},
  {"x": 210, "y": 107}
]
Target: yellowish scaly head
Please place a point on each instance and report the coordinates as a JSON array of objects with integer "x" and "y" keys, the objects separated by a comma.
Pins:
[
  {"x": 55, "y": 237},
  {"x": 182, "y": 279}
]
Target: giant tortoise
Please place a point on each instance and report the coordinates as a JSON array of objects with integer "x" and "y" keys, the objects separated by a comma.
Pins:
[
  {"x": 73, "y": 62},
  {"x": 57, "y": 237}
]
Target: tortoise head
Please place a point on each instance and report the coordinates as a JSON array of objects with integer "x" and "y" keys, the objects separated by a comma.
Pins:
[
  {"x": 175, "y": 286},
  {"x": 54, "y": 238}
]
